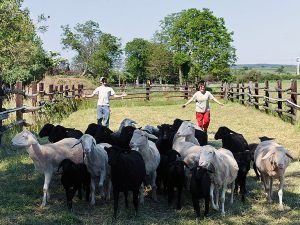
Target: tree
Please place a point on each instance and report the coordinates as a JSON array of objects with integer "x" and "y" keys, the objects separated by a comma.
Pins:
[
  {"x": 159, "y": 62},
  {"x": 280, "y": 69},
  {"x": 21, "y": 54},
  {"x": 97, "y": 52},
  {"x": 137, "y": 54},
  {"x": 201, "y": 38}
]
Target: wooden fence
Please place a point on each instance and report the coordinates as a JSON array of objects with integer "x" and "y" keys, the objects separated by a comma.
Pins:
[
  {"x": 37, "y": 95},
  {"x": 270, "y": 99}
]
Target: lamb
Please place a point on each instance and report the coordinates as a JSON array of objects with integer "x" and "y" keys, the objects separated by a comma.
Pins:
[
  {"x": 46, "y": 158},
  {"x": 224, "y": 171},
  {"x": 96, "y": 160},
  {"x": 200, "y": 188},
  {"x": 127, "y": 174},
  {"x": 101, "y": 133},
  {"x": 125, "y": 123},
  {"x": 151, "y": 130},
  {"x": 73, "y": 178},
  {"x": 150, "y": 154},
  {"x": 272, "y": 160}
]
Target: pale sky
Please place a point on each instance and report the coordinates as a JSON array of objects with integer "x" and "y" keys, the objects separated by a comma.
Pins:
[{"x": 265, "y": 31}]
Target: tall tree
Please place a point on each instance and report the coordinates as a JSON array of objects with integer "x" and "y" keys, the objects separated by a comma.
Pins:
[
  {"x": 21, "y": 54},
  {"x": 198, "y": 39},
  {"x": 159, "y": 63},
  {"x": 137, "y": 53}
]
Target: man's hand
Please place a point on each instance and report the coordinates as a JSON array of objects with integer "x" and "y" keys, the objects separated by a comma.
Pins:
[{"x": 124, "y": 94}]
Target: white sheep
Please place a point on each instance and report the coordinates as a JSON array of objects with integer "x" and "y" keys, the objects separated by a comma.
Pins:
[
  {"x": 271, "y": 160},
  {"x": 46, "y": 158},
  {"x": 139, "y": 142},
  {"x": 224, "y": 170},
  {"x": 96, "y": 160}
]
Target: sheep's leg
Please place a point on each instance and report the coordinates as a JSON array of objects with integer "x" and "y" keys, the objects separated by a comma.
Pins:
[
  {"x": 223, "y": 198},
  {"x": 271, "y": 186},
  {"x": 46, "y": 195},
  {"x": 196, "y": 206},
  {"x": 153, "y": 177},
  {"x": 206, "y": 206},
  {"x": 116, "y": 201},
  {"x": 142, "y": 194},
  {"x": 232, "y": 190},
  {"x": 170, "y": 194},
  {"x": 243, "y": 188},
  {"x": 255, "y": 170},
  {"x": 280, "y": 192},
  {"x": 212, "y": 187},
  {"x": 101, "y": 182},
  {"x": 268, "y": 181},
  {"x": 217, "y": 197},
  {"x": 135, "y": 195},
  {"x": 93, "y": 187},
  {"x": 126, "y": 199},
  {"x": 108, "y": 190},
  {"x": 179, "y": 194}
]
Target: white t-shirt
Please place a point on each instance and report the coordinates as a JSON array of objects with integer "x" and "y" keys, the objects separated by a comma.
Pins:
[
  {"x": 202, "y": 101},
  {"x": 103, "y": 94}
]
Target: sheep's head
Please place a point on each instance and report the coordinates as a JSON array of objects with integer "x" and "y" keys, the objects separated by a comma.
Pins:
[
  {"x": 187, "y": 128},
  {"x": 128, "y": 122},
  {"x": 222, "y": 132},
  {"x": 139, "y": 139},
  {"x": 88, "y": 143},
  {"x": 207, "y": 156},
  {"x": 24, "y": 139},
  {"x": 46, "y": 130}
]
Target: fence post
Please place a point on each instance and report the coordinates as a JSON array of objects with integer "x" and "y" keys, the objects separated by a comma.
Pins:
[
  {"x": 41, "y": 90},
  {"x": 34, "y": 98},
  {"x": 238, "y": 92},
  {"x": 61, "y": 90},
  {"x": 249, "y": 92},
  {"x": 148, "y": 92},
  {"x": 186, "y": 91},
  {"x": 267, "y": 95},
  {"x": 19, "y": 101},
  {"x": 279, "y": 103},
  {"x": 66, "y": 90},
  {"x": 50, "y": 92},
  {"x": 256, "y": 92},
  {"x": 73, "y": 90},
  {"x": 243, "y": 94},
  {"x": 294, "y": 98},
  {"x": 222, "y": 90},
  {"x": 231, "y": 91},
  {"x": 56, "y": 89}
]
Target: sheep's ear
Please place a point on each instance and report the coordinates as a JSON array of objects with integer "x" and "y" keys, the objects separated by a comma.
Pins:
[
  {"x": 77, "y": 142},
  {"x": 268, "y": 155},
  {"x": 288, "y": 154},
  {"x": 94, "y": 143},
  {"x": 151, "y": 136}
]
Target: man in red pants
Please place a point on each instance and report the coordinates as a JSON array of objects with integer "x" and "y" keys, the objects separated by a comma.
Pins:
[{"x": 202, "y": 98}]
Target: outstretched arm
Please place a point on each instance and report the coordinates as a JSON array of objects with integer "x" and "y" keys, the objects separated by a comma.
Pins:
[
  {"x": 218, "y": 102},
  {"x": 120, "y": 96},
  {"x": 188, "y": 102}
]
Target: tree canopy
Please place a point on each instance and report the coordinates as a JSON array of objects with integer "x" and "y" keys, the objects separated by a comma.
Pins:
[
  {"x": 21, "y": 54},
  {"x": 200, "y": 40}
]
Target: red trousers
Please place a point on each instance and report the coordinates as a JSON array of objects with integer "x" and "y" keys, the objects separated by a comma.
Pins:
[{"x": 203, "y": 119}]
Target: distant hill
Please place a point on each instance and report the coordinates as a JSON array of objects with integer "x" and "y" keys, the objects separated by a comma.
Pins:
[{"x": 271, "y": 68}]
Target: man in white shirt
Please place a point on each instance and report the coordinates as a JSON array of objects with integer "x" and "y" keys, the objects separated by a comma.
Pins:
[
  {"x": 104, "y": 92},
  {"x": 202, "y": 98}
]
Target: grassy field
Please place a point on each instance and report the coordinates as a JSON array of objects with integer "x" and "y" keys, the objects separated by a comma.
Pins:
[{"x": 21, "y": 186}]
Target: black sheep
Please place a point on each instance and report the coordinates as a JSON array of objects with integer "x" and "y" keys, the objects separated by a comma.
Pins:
[
  {"x": 73, "y": 178},
  {"x": 243, "y": 160},
  {"x": 127, "y": 174},
  {"x": 124, "y": 138},
  {"x": 176, "y": 178},
  {"x": 200, "y": 189},
  {"x": 101, "y": 133}
]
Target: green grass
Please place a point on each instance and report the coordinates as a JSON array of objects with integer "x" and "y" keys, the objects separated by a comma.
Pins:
[{"x": 21, "y": 186}]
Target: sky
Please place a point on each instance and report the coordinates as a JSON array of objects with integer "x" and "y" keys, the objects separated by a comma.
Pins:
[{"x": 265, "y": 31}]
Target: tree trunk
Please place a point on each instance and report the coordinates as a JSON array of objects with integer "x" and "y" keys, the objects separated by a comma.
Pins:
[
  {"x": 180, "y": 75},
  {"x": 137, "y": 81}
]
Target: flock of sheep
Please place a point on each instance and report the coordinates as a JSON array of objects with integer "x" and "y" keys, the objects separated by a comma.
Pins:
[{"x": 167, "y": 157}]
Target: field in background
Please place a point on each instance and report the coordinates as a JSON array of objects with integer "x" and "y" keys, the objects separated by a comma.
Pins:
[{"x": 21, "y": 186}]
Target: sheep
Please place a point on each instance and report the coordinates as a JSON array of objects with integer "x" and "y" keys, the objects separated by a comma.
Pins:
[
  {"x": 57, "y": 133},
  {"x": 175, "y": 176},
  {"x": 139, "y": 142},
  {"x": 151, "y": 130},
  {"x": 46, "y": 158},
  {"x": 96, "y": 160},
  {"x": 125, "y": 123},
  {"x": 102, "y": 134},
  {"x": 127, "y": 174},
  {"x": 272, "y": 160},
  {"x": 124, "y": 138},
  {"x": 200, "y": 188},
  {"x": 224, "y": 171},
  {"x": 74, "y": 176}
]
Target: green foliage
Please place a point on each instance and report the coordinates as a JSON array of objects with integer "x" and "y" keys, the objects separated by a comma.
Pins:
[
  {"x": 21, "y": 53},
  {"x": 97, "y": 52},
  {"x": 280, "y": 69},
  {"x": 203, "y": 38},
  {"x": 137, "y": 54}
]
